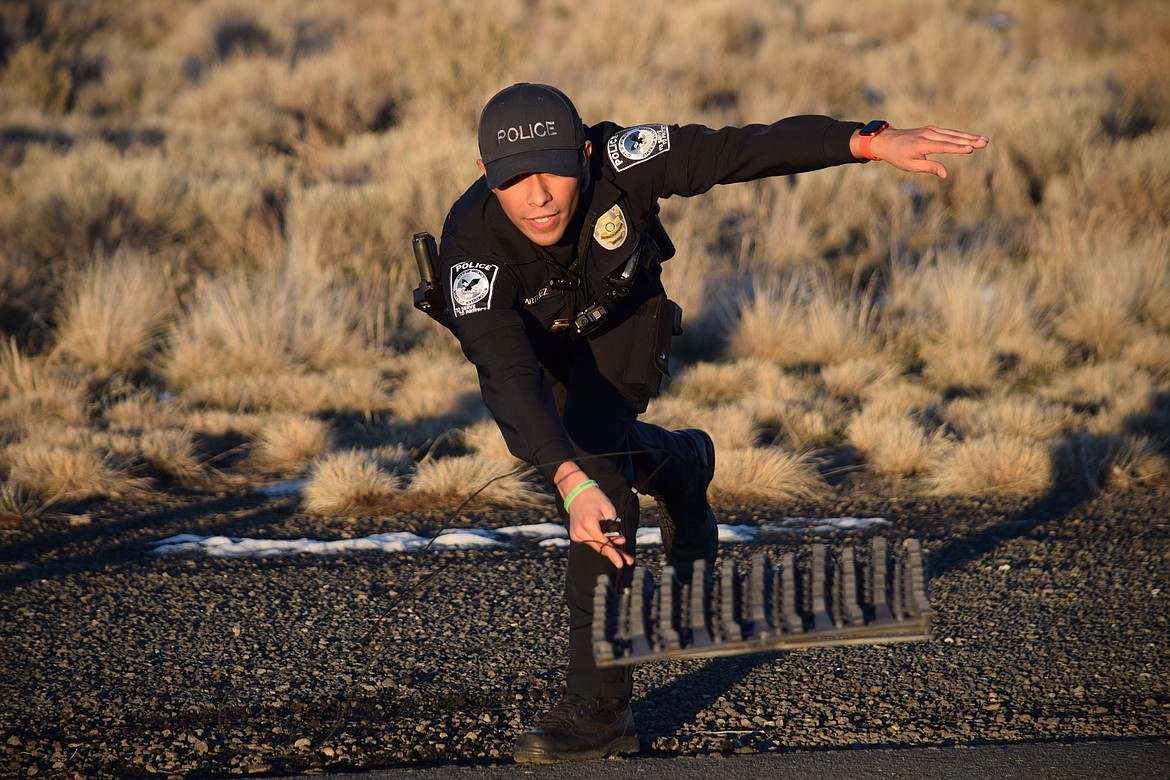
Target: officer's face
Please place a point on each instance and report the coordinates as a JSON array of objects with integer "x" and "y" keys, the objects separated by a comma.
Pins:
[{"x": 541, "y": 204}]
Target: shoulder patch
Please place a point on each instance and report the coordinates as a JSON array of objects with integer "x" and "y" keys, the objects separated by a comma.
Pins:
[
  {"x": 634, "y": 145},
  {"x": 472, "y": 285}
]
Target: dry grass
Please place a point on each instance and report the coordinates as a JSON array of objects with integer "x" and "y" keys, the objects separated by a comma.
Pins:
[
  {"x": 804, "y": 321},
  {"x": 764, "y": 475},
  {"x": 818, "y": 422},
  {"x": 484, "y": 439},
  {"x": 473, "y": 480},
  {"x": 901, "y": 397},
  {"x": 1107, "y": 286},
  {"x": 343, "y": 389},
  {"x": 1013, "y": 415},
  {"x": 142, "y": 410},
  {"x": 32, "y": 391},
  {"x": 896, "y": 446},
  {"x": 1115, "y": 394},
  {"x": 351, "y": 483},
  {"x": 750, "y": 382},
  {"x": 57, "y": 473},
  {"x": 219, "y": 422},
  {"x": 174, "y": 455},
  {"x": 115, "y": 311},
  {"x": 210, "y": 232},
  {"x": 711, "y": 383},
  {"x": 17, "y": 505},
  {"x": 964, "y": 318},
  {"x": 858, "y": 378},
  {"x": 288, "y": 443},
  {"x": 435, "y": 384},
  {"x": 993, "y": 464},
  {"x": 1138, "y": 462},
  {"x": 263, "y": 324}
]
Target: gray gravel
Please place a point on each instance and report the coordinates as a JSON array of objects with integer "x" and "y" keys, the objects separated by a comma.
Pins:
[{"x": 1051, "y": 625}]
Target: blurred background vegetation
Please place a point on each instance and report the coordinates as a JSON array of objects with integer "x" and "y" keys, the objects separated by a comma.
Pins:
[{"x": 205, "y": 272}]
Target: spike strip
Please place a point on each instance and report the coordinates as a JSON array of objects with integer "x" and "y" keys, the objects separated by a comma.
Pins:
[{"x": 813, "y": 600}]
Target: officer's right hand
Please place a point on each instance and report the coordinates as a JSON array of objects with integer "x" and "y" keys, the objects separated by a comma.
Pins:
[{"x": 588, "y": 509}]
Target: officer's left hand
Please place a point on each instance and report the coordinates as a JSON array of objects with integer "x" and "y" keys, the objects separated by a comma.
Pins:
[{"x": 907, "y": 149}]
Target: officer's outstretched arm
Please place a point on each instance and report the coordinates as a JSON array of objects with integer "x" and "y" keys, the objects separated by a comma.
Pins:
[
  {"x": 907, "y": 149},
  {"x": 588, "y": 506}
]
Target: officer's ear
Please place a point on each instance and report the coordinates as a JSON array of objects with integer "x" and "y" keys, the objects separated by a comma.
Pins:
[
  {"x": 483, "y": 168},
  {"x": 586, "y": 151}
]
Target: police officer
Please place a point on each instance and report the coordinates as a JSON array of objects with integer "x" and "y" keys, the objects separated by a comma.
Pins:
[{"x": 550, "y": 265}]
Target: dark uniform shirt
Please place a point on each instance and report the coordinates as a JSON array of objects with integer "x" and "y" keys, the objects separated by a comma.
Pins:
[{"x": 512, "y": 304}]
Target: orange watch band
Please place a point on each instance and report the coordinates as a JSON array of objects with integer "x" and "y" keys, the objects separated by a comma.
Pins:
[{"x": 866, "y": 135}]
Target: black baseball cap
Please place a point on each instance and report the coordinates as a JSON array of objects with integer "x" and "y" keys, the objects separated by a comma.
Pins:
[{"x": 529, "y": 128}]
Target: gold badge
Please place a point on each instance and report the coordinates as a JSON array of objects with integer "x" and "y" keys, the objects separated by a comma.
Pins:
[{"x": 610, "y": 230}]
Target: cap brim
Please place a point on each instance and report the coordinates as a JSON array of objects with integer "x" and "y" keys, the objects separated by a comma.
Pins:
[{"x": 559, "y": 162}]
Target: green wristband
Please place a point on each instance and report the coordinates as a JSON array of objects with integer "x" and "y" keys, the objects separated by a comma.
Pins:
[{"x": 573, "y": 493}]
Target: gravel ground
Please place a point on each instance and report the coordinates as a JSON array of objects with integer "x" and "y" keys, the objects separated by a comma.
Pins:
[{"x": 1050, "y": 621}]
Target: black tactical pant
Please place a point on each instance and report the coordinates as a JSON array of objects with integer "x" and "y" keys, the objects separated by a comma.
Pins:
[{"x": 620, "y": 452}]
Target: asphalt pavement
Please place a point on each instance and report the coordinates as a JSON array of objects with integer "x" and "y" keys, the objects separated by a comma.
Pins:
[{"x": 1131, "y": 760}]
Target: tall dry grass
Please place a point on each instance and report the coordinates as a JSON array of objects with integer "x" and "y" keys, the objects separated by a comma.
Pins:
[
  {"x": 807, "y": 321},
  {"x": 115, "y": 311},
  {"x": 205, "y": 211}
]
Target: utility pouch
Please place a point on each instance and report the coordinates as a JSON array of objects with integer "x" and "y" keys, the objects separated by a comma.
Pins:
[{"x": 656, "y": 322}]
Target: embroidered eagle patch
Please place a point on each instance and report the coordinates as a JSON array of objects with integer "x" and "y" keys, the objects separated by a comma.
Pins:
[
  {"x": 471, "y": 287},
  {"x": 636, "y": 145}
]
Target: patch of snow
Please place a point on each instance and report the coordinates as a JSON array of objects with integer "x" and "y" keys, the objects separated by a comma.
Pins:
[
  {"x": 552, "y": 535},
  {"x": 649, "y": 535},
  {"x": 822, "y": 524},
  {"x": 539, "y": 531}
]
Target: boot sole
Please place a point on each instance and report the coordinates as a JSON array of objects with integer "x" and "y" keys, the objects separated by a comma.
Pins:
[{"x": 536, "y": 755}]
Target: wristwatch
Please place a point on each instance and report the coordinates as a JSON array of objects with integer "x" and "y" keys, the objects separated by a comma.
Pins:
[{"x": 866, "y": 135}]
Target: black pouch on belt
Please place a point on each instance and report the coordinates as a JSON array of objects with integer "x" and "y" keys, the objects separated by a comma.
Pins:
[{"x": 657, "y": 321}]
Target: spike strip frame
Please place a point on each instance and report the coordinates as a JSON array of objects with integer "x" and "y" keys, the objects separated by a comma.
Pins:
[{"x": 814, "y": 599}]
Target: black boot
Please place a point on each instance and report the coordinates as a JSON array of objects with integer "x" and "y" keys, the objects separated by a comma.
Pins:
[{"x": 579, "y": 728}]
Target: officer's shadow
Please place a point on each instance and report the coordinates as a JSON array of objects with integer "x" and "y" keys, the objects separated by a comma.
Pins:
[{"x": 667, "y": 710}]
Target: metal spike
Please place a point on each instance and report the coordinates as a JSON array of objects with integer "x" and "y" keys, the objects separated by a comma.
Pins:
[
  {"x": 699, "y": 622},
  {"x": 603, "y": 621},
  {"x": 729, "y": 597},
  {"x": 668, "y": 611},
  {"x": 848, "y": 609},
  {"x": 759, "y": 590},
  {"x": 916, "y": 579},
  {"x": 818, "y": 605},
  {"x": 879, "y": 566},
  {"x": 793, "y": 595},
  {"x": 640, "y": 601}
]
